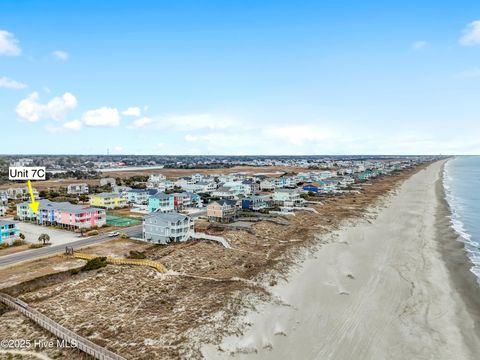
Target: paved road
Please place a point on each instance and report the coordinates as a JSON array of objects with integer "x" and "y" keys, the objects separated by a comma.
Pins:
[{"x": 133, "y": 231}]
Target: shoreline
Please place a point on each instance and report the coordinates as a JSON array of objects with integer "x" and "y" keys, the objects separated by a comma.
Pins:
[
  {"x": 396, "y": 287},
  {"x": 458, "y": 265}
]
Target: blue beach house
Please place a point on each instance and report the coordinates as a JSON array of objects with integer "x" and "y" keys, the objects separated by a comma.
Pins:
[
  {"x": 311, "y": 188},
  {"x": 8, "y": 232}
]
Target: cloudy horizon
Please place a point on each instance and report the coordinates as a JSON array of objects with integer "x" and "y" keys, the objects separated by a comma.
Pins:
[{"x": 276, "y": 78}]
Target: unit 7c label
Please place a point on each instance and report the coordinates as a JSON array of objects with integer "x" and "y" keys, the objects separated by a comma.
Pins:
[{"x": 26, "y": 173}]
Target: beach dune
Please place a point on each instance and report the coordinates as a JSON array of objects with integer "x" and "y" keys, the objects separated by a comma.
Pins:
[{"x": 378, "y": 289}]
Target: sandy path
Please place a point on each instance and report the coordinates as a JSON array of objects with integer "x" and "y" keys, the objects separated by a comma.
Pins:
[{"x": 379, "y": 290}]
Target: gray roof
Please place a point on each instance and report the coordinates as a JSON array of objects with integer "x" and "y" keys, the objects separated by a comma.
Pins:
[
  {"x": 107, "y": 194},
  {"x": 225, "y": 201},
  {"x": 204, "y": 182},
  {"x": 224, "y": 189},
  {"x": 162, "y": 195},
  {"x": 166, "y": 217},
  {"x": 46, "y": 204},
  {"x": 148, "y": 191}
]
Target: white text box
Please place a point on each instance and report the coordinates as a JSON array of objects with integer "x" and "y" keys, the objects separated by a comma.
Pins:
[{"x": 26, "y": 173}]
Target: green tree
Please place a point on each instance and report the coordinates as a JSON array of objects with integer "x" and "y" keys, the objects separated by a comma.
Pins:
[{"x": 44, "y": 238}]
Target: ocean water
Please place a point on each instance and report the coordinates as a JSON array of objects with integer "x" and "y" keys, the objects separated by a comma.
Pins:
[{"x": 462, "y": 188}]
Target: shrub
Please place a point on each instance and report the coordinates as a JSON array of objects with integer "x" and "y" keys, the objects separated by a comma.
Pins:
[
  {"x": 36, "y": 246},
  {"x": 95, "y": 263},
  {"x": 92, "y": 233},
  {"x": 18, "y": 242},
  {"x": 136, "y": 255}
]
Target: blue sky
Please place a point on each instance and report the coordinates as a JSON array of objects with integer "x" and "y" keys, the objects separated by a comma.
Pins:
[{"x": 240, "y": 77}]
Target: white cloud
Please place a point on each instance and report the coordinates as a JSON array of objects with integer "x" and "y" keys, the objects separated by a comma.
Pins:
[
  {"x": 138, "y": 123},
  {"x": 471, "y": 34},
  {"x": 32, "y": 110},
  {"x": 132, "y": 111},
  {"x": 118, "y": 148},
  {"x": 420, "y": 44},
  {"x": 189, "y": 122},
  {"x": 11, "y": 84},
  {"x": 103, "y": 116},
  {"x": 8, "y": 44},
  {"x": 185, "y": 122},
  {"x": 60, "y": 55},
  {"x": 74, "y": 125},
  {"x": 467, "y": 74}
]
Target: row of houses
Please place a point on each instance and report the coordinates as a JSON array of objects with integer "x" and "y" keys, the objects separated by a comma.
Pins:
[
  {"x": 165, "y": 227},
  {"x": 63, "y": 214},
  {"x": 229, "y": 186},
  {"x": 162, "y": 202},
  {"x": 21, "y": 193}
]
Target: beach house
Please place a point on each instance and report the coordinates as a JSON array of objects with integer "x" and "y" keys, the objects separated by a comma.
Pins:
[
  {"x": 8, "y": 232},
  {"x": 108, "y": 200},
  {"x": 311, "y": 187},
  {"x": 195, "y": 199},
  {"x": 164, "y": 228},
  {"x": 77, "y": 189},
  {"x": 238, "y": 187},
  {"x": 256, "y": 202},
  {"x": 252, "y": 185},
  {"x": 203, "y": 186},
  {"x": 108, "y": 181},
  {"x": 161, "y": 202},
  {"x": 3, "y": 197},
  {"x": 267, "y": 184},
  {"x": 287, "y": 197},
  {"x": 140, "y": 196},
  {"x": 21, "y": 193},
  {"x": 155, "y": 180},
  {"x": 197, "y": 177},
  {"x": 221, "y": 210},
  {"x": 323, "y": 187},
  {"x": 224, "y": 193},
  {"x": 184, "y": 181}
]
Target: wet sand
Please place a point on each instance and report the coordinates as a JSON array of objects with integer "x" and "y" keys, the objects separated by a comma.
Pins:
[{"x": 396, "y": 287}]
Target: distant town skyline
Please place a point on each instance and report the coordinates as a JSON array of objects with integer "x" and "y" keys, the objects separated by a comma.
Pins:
[{"x": 239, "y": 78}]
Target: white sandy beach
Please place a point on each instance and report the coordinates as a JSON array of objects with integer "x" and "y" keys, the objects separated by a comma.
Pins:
[{"x": 376, "y": 290}]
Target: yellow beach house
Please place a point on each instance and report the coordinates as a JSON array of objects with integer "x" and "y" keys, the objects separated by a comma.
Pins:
[{"x": 108, "y": 200}]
